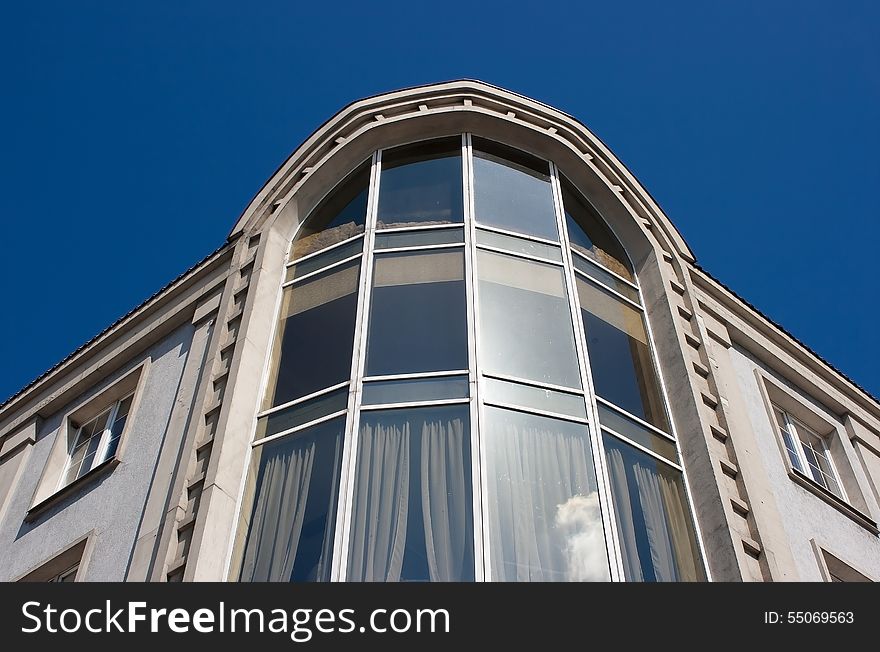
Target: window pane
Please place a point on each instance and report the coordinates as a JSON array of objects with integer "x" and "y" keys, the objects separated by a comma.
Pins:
[
  {"x": 599, "y": 274},
  {"x": 617, "y": 342},
  {"x": 340, "y": 216},
  {"x": 653, "y": 520},
  {"x": 544, "y": 517},
  {"x": 116, "y": 431},
  {"x": 302, "y": 413},
  {"x": 589, "y": 234},
  {"x": 537, "y": 398},
  {"x": 291, "y": 526},
  {"x": 314, "y": 342},
  {"x": 417, "y": 314},
  {"x": 623, "y": 425},
  {"x": 124, "y": 406},
  {"x": 512, "y": 190},
  {"x": 418, "y": 238},
  {"x": 412, "y": 514},
  {"x": 324, "y": 260},
  {"x": 414, "y": 389},
  {"x": 421, "y": 184},
  {"x": 518, "y": 245},
  {"x": 91, "y": 449},
  {"x": 525, "y": 322}
]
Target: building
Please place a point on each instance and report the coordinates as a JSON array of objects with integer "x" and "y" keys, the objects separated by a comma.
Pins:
[{"x": 452, "y": 338}]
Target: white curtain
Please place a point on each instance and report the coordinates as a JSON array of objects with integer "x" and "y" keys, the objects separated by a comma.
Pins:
[
  {"x": 544, "y": 517},
  {"x": 626, "y": 530},
  {"x": 445, "y": 492},
  {"x": 399, "y": 471},
  {"x": 278, "y": 514},
  {"x": 663, "y": 519},
  {"x": 659, "y": 539},
  {"x": 378, "y": 531}
]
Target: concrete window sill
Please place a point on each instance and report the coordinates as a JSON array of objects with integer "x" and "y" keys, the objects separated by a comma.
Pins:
[
  {"x": 841, "y": 505},
  {"x": 103, "y": 469}
]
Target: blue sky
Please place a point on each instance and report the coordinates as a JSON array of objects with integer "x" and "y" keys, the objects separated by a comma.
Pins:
[{"x": 134, "y": 133}]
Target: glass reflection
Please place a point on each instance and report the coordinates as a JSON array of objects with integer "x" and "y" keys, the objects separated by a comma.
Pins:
[
  {"x": 412, "y": 514},
  {"x": 290, "y": 535},
  {"x": 314, "y": 342},
  {"x": 418, "y": 320},
  {"x": 421, "y": 184},
  {"x": 405, "y": 390},
  {"x": 544, "y": 519},
  {"x": 656, "y": 536},
  {"x": 636, "y": 432},
  {"x": 588, "y": 233},
  {"x": 335, "y": 255},
  {"x": 302, "y": 413},
  {"x": 519, "y": 245},
  {"x": 419, "y": 238},
  {"x": 340, "y": 216},
  {"x": 537, "y": 398},
  {"x": 620, "y": 359},
  {"x": 525, "y": 322},
  {"x": 512, "y": 190}
]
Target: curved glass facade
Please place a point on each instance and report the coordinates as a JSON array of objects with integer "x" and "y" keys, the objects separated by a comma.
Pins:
[{"x": 462, "y": 387}]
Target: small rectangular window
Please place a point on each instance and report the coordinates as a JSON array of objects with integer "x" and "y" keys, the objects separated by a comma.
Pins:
[
  {"x": 808, "y": 452},
  {"x": 96, "y": 441}
]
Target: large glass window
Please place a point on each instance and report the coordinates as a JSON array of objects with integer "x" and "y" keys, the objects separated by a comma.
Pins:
[
  {"x": 525, "y": 322},
  {"x": 436, "y": 286},
  {"x": 620, "y": 359},
  {"x": 418, "y": 320},
  {"x": 512, "y": 190},
  {"x": 656, "y": 537},
  {"x": 291, "y": 524},
  {"x": 421, "y": 185},
  {"x": 412, "y": 516},
  {"x": 340, "y": 216},
  {"x": 315, "y": 337},
  {"x": 544, "y": 517}
]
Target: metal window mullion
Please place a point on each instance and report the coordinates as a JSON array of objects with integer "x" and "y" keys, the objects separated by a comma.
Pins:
[
  {"x": 434, "y": 247},
  {"x": 798, "y": 444},
  {"x": 326, "y": 268},
  {"x": 482, "y": 553},
  {"x": 516, "y": 234},
  {"x": 478, "y": 487},
  {"x": 603, "y": 481},
  {"x": 525, "y": 409},
  {"x": 320, "y": 252},
  {"x": 638, "y": 420},
  {"x": 302, "y": 399},
  {"x": 628, "y": 440},
  {"x": 350, "y": 442},
  {"x": 616, "y": 293},
  {"x": 420, "y": 227},
  {"x": 589, "y": 260},
  {"x": 101, "y": 451},
  {"x": 519, "y": 254},
  {"x": 296, "y": 429},
  {"x": 537, "y": 384},
  {"x": 652, "y": 351},
  {"x": 419, "y": 375}
]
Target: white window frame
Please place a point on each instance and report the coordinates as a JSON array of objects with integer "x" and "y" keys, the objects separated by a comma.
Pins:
[
  {"x": 790, "y": 426},
  {"x": 101, "y": 451}
]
